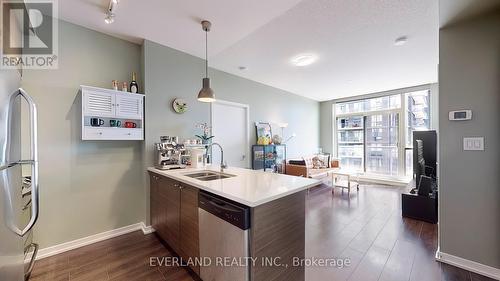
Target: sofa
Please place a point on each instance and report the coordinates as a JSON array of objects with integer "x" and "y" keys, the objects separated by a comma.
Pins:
[{"x": 314, "y": 166}]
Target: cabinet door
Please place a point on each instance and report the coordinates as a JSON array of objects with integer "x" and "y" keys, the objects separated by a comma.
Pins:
[
  {"x": 157, "y": 209},
  {"x": 190, "y": 247},
  {"x": 153, "y": 201},
  {"x": 171, "y": 192},
  {"x": 98, "y": 104},
  {"x": 129, "y": 106}
]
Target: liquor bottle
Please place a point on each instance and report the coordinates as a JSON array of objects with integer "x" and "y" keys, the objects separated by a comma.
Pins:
[{"x": 134, "y": 88}]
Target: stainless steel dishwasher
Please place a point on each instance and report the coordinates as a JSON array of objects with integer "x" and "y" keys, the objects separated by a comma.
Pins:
[{"x": 224, "y": 228}]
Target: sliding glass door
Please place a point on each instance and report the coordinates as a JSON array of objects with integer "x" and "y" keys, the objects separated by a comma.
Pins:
[
  {"x": 350, "y": 141},
  {"x": 381, "y": 144},
  {"x": 373, "y": 135}
]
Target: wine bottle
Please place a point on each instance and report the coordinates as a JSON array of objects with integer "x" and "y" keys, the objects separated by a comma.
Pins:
[{"x": 134, "y": 87}]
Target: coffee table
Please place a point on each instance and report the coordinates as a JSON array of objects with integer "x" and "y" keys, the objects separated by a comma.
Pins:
[{"x": 345, "y": 180}]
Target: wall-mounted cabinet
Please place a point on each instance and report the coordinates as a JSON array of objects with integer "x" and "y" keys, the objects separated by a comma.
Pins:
[{"x": 111, "y": 115}]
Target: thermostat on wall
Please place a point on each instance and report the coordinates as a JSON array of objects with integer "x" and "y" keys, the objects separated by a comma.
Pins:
[{"x": 460, "y": 115}]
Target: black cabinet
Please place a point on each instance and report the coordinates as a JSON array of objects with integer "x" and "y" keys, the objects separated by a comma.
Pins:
[
  {"x": 419, "y": 207},
  {"x": 269, "y": 157}
]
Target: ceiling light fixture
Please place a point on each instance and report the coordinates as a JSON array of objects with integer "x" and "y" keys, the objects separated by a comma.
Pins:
[
  {"x": 206, "y": 94},
  {"x": 110, "y": 14},
  {"x": 304, "y": 59},
  {"x": 109, "y": 18},
  {"x": 400, "y": 41}
]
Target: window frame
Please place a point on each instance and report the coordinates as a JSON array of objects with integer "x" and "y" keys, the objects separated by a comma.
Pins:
[{"x": 403, "y": 124}]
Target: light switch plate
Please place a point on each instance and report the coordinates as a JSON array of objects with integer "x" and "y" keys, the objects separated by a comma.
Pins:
[{"x": 474, "y": 143}]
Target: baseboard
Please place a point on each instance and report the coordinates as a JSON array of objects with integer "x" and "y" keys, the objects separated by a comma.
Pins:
[
  {"x": 385, "y": 181},
  {"x": 147, "y": 229},
  {"x": 71, "y": 245},
  {"x": 468, "y": 265}
]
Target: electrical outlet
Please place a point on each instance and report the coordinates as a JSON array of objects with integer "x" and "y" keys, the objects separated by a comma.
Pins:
[{"x": 474, "y": 143}]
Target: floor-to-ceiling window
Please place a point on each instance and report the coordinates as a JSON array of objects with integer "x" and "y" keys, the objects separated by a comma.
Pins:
[
  {"x": 374, "y": 135},
  {"x": 417, "y": 119}
]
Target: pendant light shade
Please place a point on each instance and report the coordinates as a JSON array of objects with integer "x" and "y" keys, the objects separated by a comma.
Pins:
[{"x": 206, "y": 93}]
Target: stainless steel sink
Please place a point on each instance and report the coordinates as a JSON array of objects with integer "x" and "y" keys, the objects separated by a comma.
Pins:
[{"x": 208, "y": 176}]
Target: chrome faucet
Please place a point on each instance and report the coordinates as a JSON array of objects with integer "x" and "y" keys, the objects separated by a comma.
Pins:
[{"x": 223, "y": 165}]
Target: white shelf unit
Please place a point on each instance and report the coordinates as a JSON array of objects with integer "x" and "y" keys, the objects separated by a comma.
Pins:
[{"x": 109, "y": 104}]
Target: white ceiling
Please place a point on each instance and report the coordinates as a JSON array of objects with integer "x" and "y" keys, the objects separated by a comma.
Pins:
[{"x": 353, "y": 39}]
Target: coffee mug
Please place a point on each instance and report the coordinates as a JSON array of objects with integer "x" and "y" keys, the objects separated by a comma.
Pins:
[
  {"x": 96, "y": 122},
  {"x": 115, "y": 123},
  {"x": 130, "y": 125}
]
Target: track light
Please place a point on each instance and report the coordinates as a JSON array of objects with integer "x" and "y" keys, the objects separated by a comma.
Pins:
[
  {"x": 109, "y": 18},
  {"x": 110, "y": 15}
]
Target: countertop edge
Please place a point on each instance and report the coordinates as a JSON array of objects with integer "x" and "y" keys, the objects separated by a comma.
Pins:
[{"x": 230, "y": 197}]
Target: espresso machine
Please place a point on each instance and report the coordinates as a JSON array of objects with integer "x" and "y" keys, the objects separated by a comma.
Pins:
[{"x": 169, "y": 154}]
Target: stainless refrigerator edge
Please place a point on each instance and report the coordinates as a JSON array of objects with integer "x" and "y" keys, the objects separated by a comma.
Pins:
[{"x": 18, "y": 178}]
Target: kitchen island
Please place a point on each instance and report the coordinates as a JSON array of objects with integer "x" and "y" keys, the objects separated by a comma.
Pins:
[{"x": 276, "y": 204}]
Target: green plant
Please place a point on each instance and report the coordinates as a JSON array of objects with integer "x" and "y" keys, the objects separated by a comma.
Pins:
[{"x": 206, "y": 136}]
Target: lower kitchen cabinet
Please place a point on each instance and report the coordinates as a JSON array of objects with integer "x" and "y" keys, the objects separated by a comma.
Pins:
[
  {"x": 156, "y": 210},
  {"x": 190, "y": 246},
  {"x": 174, "y": 215},
  {"x": 171, "y": 198}
]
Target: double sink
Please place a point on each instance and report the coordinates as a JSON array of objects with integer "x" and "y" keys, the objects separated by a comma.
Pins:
[{"x": 208, "y": 175}]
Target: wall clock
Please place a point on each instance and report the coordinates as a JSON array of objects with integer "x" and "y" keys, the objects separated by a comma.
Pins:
[{"x": 179, "y": 106}]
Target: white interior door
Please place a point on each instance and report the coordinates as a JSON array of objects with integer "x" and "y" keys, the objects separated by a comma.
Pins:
[{"x": 230, "y": 123}]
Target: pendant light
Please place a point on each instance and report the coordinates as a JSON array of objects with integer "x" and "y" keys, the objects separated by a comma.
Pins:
[{"x": 206, "y": 94}]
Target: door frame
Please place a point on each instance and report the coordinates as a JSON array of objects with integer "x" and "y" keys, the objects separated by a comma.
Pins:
[{"x": 247, "y": 117}]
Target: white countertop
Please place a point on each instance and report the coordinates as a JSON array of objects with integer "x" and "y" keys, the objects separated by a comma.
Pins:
[{"x": 248, "y": 187}]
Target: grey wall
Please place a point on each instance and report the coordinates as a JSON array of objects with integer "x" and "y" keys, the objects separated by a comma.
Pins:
[
  {"x": 170, "y": 74},
  {"x": 469, "y": 78},
  {"x": 86, "y": 187}
]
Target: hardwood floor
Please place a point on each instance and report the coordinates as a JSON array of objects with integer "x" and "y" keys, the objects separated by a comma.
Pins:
[
  {"x": 367, "y": 229},
  {"x": 122, "y": 258}
]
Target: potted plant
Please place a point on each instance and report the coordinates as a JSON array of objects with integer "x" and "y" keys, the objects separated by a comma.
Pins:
[{"x": 206, "y": 136}]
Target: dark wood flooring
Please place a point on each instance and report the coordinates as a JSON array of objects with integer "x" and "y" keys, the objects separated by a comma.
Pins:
[{"x": 366, "y": 228}]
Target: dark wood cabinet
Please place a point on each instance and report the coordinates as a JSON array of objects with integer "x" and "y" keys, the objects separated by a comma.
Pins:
[
  {"x": 171, "y": 194},
  {"x": 158, "y": 211},
  {"x": 174, "y": 215},
  {"x": 190, "y": 247}
]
